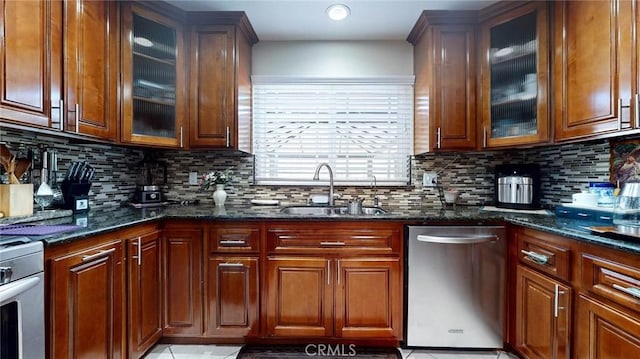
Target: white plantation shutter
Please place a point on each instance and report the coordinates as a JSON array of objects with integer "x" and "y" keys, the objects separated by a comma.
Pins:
[{"x": 360, "y": 129}]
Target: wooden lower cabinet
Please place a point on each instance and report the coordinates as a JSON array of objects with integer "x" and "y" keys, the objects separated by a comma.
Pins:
[
  {"x": 300, "y": 297},
  {"x": 605, "y": 332},
  {"x": 182, "y": 277},
  {"x": 542, "y": 315},
  {"x": 231, "y": 302},
  {"x": 359, "y": 313},
  {"x": 332, "y": 297},
  {"x": 86, "y": 302},
  {"x": 144, "y": 291}
]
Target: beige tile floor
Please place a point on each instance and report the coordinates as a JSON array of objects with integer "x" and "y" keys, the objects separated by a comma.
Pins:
[{"x": 165, "y": 351}]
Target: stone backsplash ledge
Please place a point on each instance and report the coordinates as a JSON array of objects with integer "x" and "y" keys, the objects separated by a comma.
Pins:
[{"x": 565, "y": 169}]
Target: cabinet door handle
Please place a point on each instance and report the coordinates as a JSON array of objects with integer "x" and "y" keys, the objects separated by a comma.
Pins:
[
  {"x": 228, "y": 136},
  {"x": 632, "y": 291},
  {"x": 60, "y": 108},
  {"x": 536, "y": 257},
  {"x": 328, "y": 271},
  {"x": 338, "y": 271},
  {"x": 438, "y": 138},
  {"x": 556, "y": 300},
  {"x": 332, "y": 243},
  {"x": 484, "y": 137},
  {"x": 233, "y": 241},
  {"x": 138, "y": 256},
  {"x": 227, "y": 264},
  {"x": 77, "y": 117},
  {"x": 99, "y": 254},
  {"x": 181, "y": 137},
  {"x": 636, "y": 110}
]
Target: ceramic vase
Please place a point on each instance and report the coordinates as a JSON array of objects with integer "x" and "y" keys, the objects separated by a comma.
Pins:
[{"x": 219, "y": 195}]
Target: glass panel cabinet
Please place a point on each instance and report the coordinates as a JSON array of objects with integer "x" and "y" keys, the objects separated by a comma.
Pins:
[
  {"x": 153, "y": 73},
  {"x": 515, "y": 77}
]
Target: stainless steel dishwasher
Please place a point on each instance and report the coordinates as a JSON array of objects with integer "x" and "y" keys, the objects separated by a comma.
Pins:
[{"x": 455, "y": 286}]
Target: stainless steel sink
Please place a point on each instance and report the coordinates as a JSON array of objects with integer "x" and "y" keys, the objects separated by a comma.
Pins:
[{"x": 330, "y": 210}]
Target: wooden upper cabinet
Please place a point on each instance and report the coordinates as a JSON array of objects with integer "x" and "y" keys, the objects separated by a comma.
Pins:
[
  {"x": 220, "y": 81},
  {"x": 91, "y": 61},
  {"x": 593, "y": 67},
  {"x": 514, "y": 79},
  {"x": 31, "y": 62},
  {"x": 445, "y": 86},
  {"x": 153, "y": 78}
]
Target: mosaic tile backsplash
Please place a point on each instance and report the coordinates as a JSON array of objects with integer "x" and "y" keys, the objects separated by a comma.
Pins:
[{"x": 565, "y": 169}]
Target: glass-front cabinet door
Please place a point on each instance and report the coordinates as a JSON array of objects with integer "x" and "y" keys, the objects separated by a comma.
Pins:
[
  {"x": 153, "y": 78},
  {"x": 515, "y": 70}
]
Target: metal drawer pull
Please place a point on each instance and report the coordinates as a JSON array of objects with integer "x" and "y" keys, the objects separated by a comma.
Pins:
[
  {"x": 563, "y": 211},
  {"x": 632, "y": 291},
  {"x": 605, "y": 218},
  {"x": 536, "y": 257},
  {"x": 99, "y": 254},
  {"x": 230, "y": 265},
  {"x": 233, "y": 241},
  {"x": 583, "y": 214},
  {"x": 332, "y": 243}
]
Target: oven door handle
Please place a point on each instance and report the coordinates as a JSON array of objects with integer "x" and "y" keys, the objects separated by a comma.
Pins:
[
  {"x": 11, "y": 290},
  {"x": 468, "y": 239}
]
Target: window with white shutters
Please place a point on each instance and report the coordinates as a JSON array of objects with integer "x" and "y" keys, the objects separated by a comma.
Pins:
[{"x": 360, "y": 129}]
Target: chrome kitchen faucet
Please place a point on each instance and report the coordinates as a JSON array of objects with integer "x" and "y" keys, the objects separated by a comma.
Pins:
[{"x": 316, "y": 177}]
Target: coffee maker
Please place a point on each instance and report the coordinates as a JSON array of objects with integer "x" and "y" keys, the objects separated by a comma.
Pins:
[
  {"x": 517, "y": 186},
  {"x": 152, "y": 174}
]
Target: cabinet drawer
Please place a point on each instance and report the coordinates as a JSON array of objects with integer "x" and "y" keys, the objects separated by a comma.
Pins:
[
  {"x": 611, "y": 279},
  {"x": 333, "y": 239},
  {"x": 545, "y": 253},
  {"x": 237, "y": 238}
]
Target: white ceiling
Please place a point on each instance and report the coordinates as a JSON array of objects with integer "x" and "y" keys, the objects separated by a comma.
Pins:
[{"x": 279, "y": 20}]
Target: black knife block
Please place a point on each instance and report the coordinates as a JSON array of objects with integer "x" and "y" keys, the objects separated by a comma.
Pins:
[{"x": 70, "y": 191}]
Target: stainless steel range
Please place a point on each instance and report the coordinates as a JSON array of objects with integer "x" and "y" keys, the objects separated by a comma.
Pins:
[{"x": 21, "y": 299}]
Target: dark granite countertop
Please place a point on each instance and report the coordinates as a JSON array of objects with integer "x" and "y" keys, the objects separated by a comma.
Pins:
[{"x": 107, "y": 219}]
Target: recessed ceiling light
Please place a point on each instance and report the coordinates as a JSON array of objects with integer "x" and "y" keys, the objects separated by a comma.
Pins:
[
  {"x": 338, "y": 12},
  {"x": 142, "y": 41}
]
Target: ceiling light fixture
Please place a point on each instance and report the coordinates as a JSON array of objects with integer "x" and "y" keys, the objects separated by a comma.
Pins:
[{"x": 338, "y": 12}]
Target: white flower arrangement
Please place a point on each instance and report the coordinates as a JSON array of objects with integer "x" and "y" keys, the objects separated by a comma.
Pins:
[{"x": 216, "y": 177}]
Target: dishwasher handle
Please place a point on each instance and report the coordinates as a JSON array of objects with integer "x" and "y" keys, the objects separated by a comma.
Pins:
[{"x": 464, "y": 239}]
